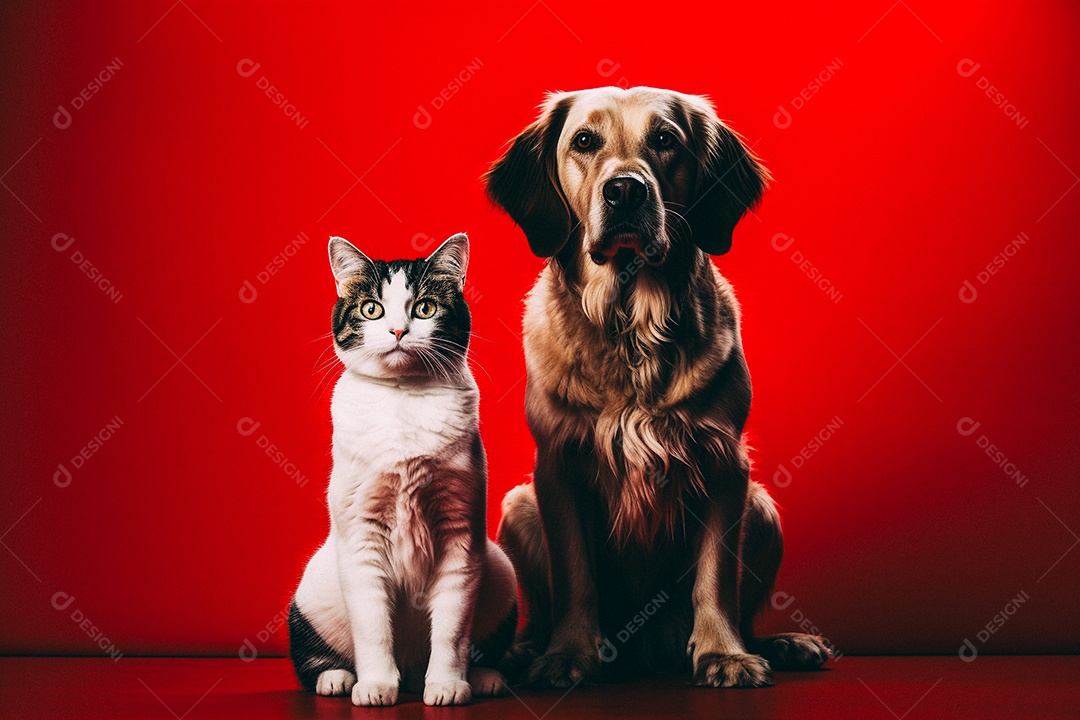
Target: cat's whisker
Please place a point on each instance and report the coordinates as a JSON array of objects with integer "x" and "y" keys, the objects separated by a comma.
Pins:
[
  {"x": 470, "y": 358},
  {"x": 434, "y": 364},
  {"x": 450, "y": 367},
  {"x": 448, "y": 341},
  {"x": 458, "y": 351},
  {"x": 328, "y": 354},
  {"x": 482, "y": 369},
  {"x": 435, "y": 370},
  {"x": 323, "y": 373},
  {"x": 474, "y": 336},
  {"x": 320, "y": 338},
  {"x": 316, "y": 398},
  {"x": 329, "y": 362},
  {"x": 324, "y": 382},
  {"x": 446, "y": 365},
  {"x": 322, "y": 354},
  {"x": 473, "y": 363},
  {"x": 452, "y": 350},
  {"x": 456, "y": 348}
]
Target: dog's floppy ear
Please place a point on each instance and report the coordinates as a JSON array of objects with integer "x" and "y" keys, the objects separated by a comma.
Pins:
[
  {"x": 525, "y": 180},
  {"x": 730, "y": 178}
]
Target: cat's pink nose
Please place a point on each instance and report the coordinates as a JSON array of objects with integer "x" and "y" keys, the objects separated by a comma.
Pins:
[{"x": 399, "y": 333}]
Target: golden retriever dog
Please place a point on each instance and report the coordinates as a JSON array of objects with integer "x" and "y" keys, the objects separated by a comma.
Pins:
[{"x": 642, "y": 544}]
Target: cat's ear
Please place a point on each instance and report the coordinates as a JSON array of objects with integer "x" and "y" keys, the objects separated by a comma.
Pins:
[
  {"x": 452, "y": 257},
  {"x": 346, "y": 262}
]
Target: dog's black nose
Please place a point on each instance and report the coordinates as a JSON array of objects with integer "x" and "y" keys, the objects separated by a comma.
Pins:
[{"x": 625, "y": 192}]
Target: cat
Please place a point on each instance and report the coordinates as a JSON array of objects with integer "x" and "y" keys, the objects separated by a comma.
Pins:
[{"x": 407, "y": 592}]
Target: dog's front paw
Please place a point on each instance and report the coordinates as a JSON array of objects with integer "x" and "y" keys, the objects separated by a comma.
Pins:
[
  {"x": 792, "y": 651},
  {"x": 563, "y": 669},
  {"x": 732, "y": 671},
  {"x": 487, "y": 682},
  {"x": 447, "y": 692},
  {"x": 375, "y": 693},
  {"x": 518, "y": 659}
]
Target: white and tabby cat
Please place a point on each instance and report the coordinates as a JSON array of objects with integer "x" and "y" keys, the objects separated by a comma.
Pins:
[{"x": 407, "y": 591}]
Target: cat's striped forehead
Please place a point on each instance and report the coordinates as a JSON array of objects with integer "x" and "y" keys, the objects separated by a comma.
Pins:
[
  {"x": 380, "y": 274},
  {"x": 402, "y": 280}
]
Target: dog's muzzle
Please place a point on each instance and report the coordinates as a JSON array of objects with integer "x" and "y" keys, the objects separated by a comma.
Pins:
[
  {"x": 625, "y": 193},
  {"x": 628, "y": 226}
]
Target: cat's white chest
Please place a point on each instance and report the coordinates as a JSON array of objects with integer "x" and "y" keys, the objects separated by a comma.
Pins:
[
  {"x": 377, "y": 426},
  {"x": 392, "y": 445}
]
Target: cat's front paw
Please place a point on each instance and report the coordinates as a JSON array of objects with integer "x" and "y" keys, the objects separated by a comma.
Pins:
[
  {"x": 374, "y": 693},
  {"x": 334, "y": 682},
  {"x": 447, "y": 692}
]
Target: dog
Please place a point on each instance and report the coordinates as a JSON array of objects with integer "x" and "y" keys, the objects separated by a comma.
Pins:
[{"x": 642, "y": 545}]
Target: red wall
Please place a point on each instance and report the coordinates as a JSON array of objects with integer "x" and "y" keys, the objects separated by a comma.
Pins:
[{"x": 180, "y": 180}]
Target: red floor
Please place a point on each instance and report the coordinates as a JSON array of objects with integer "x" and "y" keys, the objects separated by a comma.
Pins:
[{"x": 908, "y": 688}]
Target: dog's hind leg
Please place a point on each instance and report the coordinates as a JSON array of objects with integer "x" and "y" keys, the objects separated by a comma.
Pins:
[
  {"x": 521, "y": 536},
  {"x": 762, "y": 551}
]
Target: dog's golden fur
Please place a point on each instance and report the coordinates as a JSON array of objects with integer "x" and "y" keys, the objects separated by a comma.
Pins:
[
  {"x": 638, "y": 392},
  {"x": 631, "y": 399}
]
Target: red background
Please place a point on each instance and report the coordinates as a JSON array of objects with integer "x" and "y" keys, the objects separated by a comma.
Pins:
[{"x": 180, "y": 180}]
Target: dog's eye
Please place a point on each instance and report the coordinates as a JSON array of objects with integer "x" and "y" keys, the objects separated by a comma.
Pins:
[
  {"x": 664, "y": 140},
  {"x": 584, "y": 140}
]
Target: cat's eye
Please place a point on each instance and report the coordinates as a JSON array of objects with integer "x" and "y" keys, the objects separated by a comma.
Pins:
[
  {"x": 424, "y": 309},
  {"x": 371, "y": 310}
]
